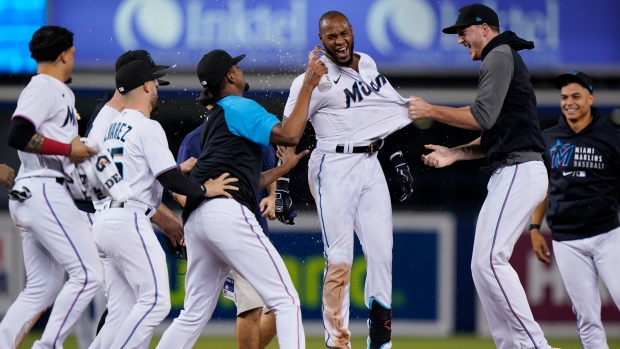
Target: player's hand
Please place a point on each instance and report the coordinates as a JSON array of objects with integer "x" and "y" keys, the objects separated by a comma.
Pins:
[
  {"x": 284, "y": 204},
  {"x": 406, "y": 181},
  {"x": 173, "y": 229},
  {"x": 268, "y": 207},
  {"x": 539, "y": 244},
  {"x": 288, "y": 157},
  {"x": 419, "y": 109},
  {"x": 220, "y": 186},
  {"x": 80, "y": 152},
  {"x": 187, "y": 165},
  {"x": 440, "y": 157},
  {"x": 316, "y": 68},
  {"x": 7, "y": 175}
]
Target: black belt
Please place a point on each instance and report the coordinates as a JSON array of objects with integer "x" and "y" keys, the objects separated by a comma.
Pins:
[
  {"x": 60, "y": 180},
  {"x": 370, "y": 149},
  {"x": 120, "y": 204},
  {"x": 85, "y": 206}
]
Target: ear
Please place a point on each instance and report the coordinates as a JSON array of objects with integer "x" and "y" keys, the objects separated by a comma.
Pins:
[
  {"x": 591, "y": 99},
  {"x": 62, "y": 57}
]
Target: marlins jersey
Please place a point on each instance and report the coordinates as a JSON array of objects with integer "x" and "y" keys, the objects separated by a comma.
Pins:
[
  {"x": 360, "y": 107},
  {"x": 139, "y": 149},
  {"x": 102, "y": 122},
  {"x": 49, "y": 105}
]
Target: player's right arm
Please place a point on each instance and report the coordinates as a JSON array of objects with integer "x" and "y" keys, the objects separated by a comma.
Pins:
[
  {"x": 539, "y": 244},
  {"x": 24, "y": 137},
  {"x": 443, "y": 156},
  {"x": 289, "y": 131}
]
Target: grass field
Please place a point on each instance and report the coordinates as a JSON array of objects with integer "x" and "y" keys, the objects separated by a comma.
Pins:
[{"x": 457, "y": 342}]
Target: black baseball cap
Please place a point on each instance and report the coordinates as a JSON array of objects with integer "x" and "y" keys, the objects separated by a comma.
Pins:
[
  {"x": 575, "y": 76},
  {"x": 214, "y": 65},
  {"x": 133, "y": 75},
  {"x": 473, "y": 14},
  {"x": 144, "y": 56}
]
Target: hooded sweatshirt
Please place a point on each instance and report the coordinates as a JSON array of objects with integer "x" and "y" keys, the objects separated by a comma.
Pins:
[{"x": 584, "y": 174}]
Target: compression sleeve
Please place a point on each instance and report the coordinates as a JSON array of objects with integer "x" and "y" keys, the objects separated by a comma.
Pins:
[
  {"x": 175, "y": 181},
  {"x": 20, "y": 133}
]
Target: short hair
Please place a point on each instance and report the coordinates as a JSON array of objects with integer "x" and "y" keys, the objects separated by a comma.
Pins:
[
  {"x": 331, "y": 15},
  {"x": 494, "y": 28},
  {"x": 49, "y": 42}
]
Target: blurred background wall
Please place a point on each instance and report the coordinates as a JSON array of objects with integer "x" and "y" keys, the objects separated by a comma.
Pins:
[{"x": 403, "y": 36}]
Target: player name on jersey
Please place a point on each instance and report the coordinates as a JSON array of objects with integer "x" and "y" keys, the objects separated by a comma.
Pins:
[{"x": 117, "y": 130}]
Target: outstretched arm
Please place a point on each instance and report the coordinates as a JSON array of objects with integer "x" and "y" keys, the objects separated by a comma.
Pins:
[
  {"x": 443, "y": 156},
  {"x": 403, "y": 174},
  {"x": 419, "y": 109}
]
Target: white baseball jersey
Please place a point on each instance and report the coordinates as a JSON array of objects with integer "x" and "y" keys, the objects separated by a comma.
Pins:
[
  {"x": 360, "y": 107},
  {"x": 102, "y": 122},
  {"x": 49, "y": 105},
  {"x": 137, "y": 143}
]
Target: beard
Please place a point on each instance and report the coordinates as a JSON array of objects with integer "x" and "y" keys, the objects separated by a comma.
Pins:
[
  {"x": 247, "y": 87},
  {"x": 69, "y": 80},
  {"x": 154, "y": 105},
  {"x": 333, "y": 56}
]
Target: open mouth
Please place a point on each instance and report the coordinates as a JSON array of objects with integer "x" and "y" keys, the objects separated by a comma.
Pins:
[{"x": 342, "y": 53}]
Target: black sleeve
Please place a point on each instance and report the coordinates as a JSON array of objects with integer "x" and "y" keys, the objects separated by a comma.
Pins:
[
  {"x": 100, "y": 104},
  {"x": 20, "y": 133},
  {"x": 175, "y": 181},
  {"x": 393, "y": 150}
]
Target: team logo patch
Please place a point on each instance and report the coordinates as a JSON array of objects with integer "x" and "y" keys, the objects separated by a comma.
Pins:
[
  {"x": 102, "y": 162},
  {"x": 561, "y": 154}
]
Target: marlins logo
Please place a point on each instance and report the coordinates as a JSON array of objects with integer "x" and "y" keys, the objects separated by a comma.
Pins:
[
  {"x": 561, "y": 154},
  {"x": 71, "y": 118}
]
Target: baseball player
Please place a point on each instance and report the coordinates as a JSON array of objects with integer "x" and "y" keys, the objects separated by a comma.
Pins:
[
  {"x": 106, "y": 110},
  {"x": 511, "y": 141},
  {"x": 346, "y": 179},
  {"x": 136, "y": 273},
  {"x": 223, "y": 234},
  {"x": 582, "y": 154},
  {"x": 44, "y": 130},
  {"x": 253, "y": 328}
]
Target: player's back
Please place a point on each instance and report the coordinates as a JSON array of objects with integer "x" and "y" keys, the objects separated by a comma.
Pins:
[
  {"x": 139, "y": 149},
  {"x": 48, "y": 104}
]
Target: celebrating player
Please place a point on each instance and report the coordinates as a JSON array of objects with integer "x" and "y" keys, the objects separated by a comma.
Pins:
[
  {"x": 44, "y": 130},
  {"x": 136, "y": 273},
  {"x": 223, "y": 234},
  {"x": 511, "y": 141},
  {"x": 347, "y": 181},
  {"x": 582, "y": 155}
]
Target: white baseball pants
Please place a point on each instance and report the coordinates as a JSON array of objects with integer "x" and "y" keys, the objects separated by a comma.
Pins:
[
  {"x": 136, "y": 276},
  {"x": 351, "y": 195},
  {"x": 580, "y": 263},
  {"x": 222, "y": 234},
  {"x": 513, "y": 194},
  {"x": 55, "y": 239}
]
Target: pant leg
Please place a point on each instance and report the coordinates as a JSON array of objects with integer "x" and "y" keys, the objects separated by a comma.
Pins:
[
  {"x": 205, "y": 277},
  {"x": 513, "y": 193},
  {"x": 373, "y": 226},
  {"x": 336, "y": 184},
  {"x": 61, "y": 231},
  {"x": 128, "y": 238},
  {"x": 248, "y": 251},
  {"x": 580, "y": 278}
]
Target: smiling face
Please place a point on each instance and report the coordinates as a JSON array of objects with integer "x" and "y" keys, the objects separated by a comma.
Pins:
[
  {"x": 575, "y": 101},
  {"x": 473, "y": 38},
  {"x": 336, "y": 35}
]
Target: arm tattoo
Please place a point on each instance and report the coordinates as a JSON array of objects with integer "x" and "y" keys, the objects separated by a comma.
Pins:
[{"x": 34, "y": 146}]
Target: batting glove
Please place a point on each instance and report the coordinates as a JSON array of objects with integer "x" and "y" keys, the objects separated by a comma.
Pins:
[
  {"x": 403, "y": 175},
  {"x": 284, "y": 205}
]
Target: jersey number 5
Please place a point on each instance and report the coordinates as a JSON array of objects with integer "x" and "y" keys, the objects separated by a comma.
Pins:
[{"x": 117, "y": 157}]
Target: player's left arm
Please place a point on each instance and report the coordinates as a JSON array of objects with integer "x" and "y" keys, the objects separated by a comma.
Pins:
[
  {"x": 169, "y": 224},
  {"x": 289, "y": 160},
  {"x": 268, "y": 204},
  {"x": 403, "y": 174},
  {"x": 539, "y": 244}
]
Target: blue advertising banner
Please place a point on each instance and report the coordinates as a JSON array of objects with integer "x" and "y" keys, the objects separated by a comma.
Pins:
[
  {"x": 423, "y": 273},
  {"x": 403, "y": 36}
]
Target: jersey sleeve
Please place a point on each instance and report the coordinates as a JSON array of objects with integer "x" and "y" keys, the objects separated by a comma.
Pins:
[
  {"x": 35, "y": 104},
  {"x": 248, "y": 119},
  {"x": 156, "y": 151},
  {"x": 496, "y": 74},
  {"x": 315, "y": 101},
  {"x": 190, "y": 146}
]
